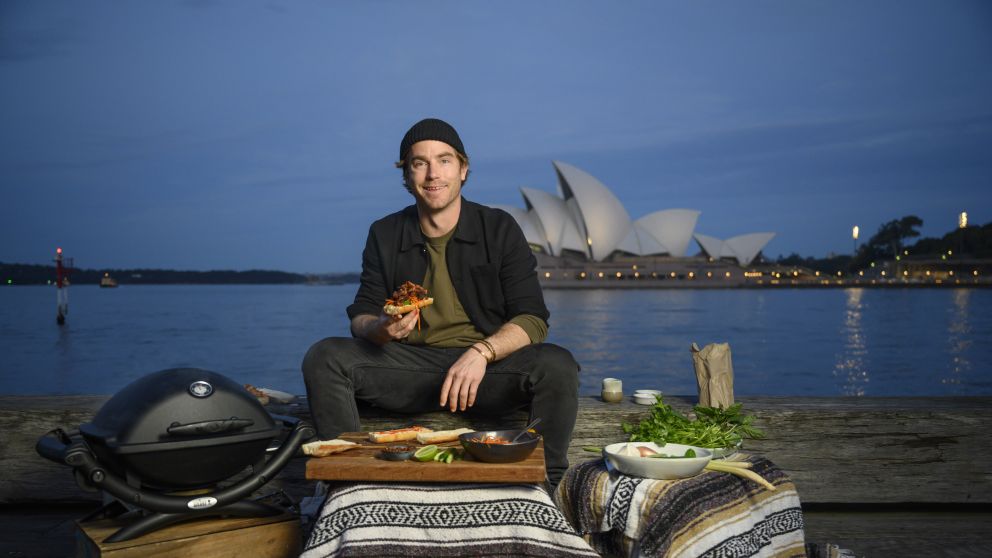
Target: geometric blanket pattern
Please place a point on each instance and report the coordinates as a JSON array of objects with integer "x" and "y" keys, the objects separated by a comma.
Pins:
[
  {"x": 445, "y": 520},
  {"x": 715, "y": 515}
]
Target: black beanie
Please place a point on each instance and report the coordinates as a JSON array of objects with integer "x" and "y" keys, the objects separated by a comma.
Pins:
[{"x": 431, "y": 129}]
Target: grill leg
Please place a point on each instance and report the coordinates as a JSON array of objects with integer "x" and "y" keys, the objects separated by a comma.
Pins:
[{"x": 158, "y": 520}]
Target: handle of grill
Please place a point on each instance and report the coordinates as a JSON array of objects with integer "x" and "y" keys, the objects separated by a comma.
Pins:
[
  {"x": 53, "y": 445},
  {"x": 82, "y": 458},
  {"x": 207, "y": 427}
]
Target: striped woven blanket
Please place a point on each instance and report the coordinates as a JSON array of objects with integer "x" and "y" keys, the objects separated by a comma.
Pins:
[
  {"x": 445, "y": 520},
  {"x": 709, "y": 515}
]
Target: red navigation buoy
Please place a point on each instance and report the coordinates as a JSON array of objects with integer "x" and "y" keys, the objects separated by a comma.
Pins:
[{"x": 63, "y": 266}]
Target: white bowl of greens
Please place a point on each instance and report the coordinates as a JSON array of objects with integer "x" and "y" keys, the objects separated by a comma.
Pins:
[{"x": 649, "y": 460}]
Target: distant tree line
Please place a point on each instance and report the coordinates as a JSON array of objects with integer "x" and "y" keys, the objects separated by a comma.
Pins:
[
  {"x": 26, "y": 274},
  {"x": 974, "y": 241}
]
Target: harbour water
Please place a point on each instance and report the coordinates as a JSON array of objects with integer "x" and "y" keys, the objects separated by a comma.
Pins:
[{"x": 870, "y": 342}]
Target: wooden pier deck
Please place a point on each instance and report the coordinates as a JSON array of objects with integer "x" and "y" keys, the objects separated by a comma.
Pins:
[{"x": 906, "y": 476}]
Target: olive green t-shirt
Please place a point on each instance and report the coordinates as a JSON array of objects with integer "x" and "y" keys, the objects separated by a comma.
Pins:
[{"x": 445, "y": 323}]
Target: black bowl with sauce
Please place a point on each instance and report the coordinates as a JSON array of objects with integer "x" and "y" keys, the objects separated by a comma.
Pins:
[
  {"x": 474, "y": 444},
  {"x": 397, "y": 453}
]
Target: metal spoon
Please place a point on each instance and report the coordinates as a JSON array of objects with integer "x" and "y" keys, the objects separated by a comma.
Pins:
[{"x": 530, "y": 425}]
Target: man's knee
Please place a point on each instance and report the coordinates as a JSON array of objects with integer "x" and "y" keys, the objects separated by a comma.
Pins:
[
  {"x": 557, "y": 365},
  {"x": 324, "y": 353}
]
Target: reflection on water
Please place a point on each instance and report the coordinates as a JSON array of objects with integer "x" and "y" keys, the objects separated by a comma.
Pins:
[
  {"x": 850, "y": 368},
  {"x": 958, "y": 337},
  {"x": 863, "y": 342}
]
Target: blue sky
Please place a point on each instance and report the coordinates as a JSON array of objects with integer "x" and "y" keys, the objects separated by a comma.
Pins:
[{"x": 261, "y": 135}]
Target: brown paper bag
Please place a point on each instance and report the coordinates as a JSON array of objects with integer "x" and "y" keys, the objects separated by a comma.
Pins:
[{"x": 714, "y": 374}]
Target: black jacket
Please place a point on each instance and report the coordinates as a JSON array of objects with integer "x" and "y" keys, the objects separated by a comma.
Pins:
[{"x": 490, "y": 263}]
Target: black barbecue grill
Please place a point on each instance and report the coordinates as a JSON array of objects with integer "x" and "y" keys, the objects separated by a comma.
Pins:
[{"x": 179, "y": 430}]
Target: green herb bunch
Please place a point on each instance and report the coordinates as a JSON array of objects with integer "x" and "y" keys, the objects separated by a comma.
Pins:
[{"x": 712, "y": 428}]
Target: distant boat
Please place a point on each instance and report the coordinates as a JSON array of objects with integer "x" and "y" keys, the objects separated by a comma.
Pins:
[{"x": 107, "y": 281}]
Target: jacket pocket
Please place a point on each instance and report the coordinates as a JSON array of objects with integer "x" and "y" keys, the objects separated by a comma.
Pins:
[{"x": 487, "y": 284}]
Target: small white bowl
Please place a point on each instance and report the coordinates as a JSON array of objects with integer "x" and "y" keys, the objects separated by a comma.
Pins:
[
  {"x": 655, "y": 467},
  {"x": 645, "y": 399},
  {"x": 647, "y": 392}
]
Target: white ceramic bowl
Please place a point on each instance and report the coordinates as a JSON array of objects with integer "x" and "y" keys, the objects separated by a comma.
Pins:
[
  {"x": 642, "y": 399},
  {"x": 658, "y": 468},
  {"x": 725, "y": 453},
  {"x": 647, "y": 392}
]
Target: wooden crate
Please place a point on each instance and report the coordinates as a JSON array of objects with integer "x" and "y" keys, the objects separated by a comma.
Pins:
[{"x": 260, "y": 537}]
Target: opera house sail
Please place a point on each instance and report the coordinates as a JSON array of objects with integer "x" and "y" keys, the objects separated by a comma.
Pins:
[{"x": 586, "y": 225}]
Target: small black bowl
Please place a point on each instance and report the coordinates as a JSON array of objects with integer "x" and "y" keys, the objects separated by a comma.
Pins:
[
  {"x": 397, "y": 453},
  {"x": 499, "y": 453}
]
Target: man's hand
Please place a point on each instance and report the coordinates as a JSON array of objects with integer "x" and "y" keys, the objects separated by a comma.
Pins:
[
  {"x": 384, "y": 328},
  {"x": 462, "y": 382}
]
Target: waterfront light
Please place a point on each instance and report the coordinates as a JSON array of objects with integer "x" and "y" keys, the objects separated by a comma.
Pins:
[
  {"x": 905, "y": 273},
  {"x": 691, "y": 275},
  {"x": 838, "y": 274},
  {"x": 634, "y": 267},
  {"x": 928, "y": 273},
  {"x": 963, "y": 220},
  {"x": 619, "y": 275},
  {"x": 873, "y": 264},
  {"x": 854, "y": 235},
  {"x": 975, "y": 272},
  {"x": 883, "y": 273},
  {"x": 861, "y": 273},
  {"x": 950, "y": 252},
  {"x": 637, "y": 275},
  {"x": 709, "y": 274},
  {"x": 600, "y": 274},
  {"x": 673, "y": 275},
  {"x": 582, "y": 275},
  {"x": 951, "y": 273},
  {"x": 727, "y": 275}
]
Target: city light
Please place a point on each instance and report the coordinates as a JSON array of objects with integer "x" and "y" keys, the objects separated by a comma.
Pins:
[{"x": 963, "y": 220}]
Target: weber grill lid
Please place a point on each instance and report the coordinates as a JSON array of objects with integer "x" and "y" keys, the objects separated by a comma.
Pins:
[{"x": 179, "y": 407}]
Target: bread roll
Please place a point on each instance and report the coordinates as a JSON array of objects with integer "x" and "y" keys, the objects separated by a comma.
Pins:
[
  {"x": 441, "y": 436},
  {"x": 323, "y": 448}
]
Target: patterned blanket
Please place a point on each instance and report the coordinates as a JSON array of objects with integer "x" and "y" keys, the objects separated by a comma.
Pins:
[
  {"x": 709, "y": 515},
  {"x": 445, "y": 520}
]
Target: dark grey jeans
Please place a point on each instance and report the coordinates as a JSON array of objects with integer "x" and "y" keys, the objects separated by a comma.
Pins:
[{"x": 406, "y": 378}]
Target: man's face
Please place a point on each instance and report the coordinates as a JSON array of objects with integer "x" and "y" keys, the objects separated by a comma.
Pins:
[{"x": 435, "y": 174}]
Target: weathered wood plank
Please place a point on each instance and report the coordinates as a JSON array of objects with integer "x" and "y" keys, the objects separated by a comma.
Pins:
[
  {"x": 904, "y": 534},
  {"x": 837, "y": 449}
]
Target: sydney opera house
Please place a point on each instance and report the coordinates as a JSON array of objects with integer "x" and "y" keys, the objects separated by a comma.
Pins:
[{"x": 584, "y": 232}]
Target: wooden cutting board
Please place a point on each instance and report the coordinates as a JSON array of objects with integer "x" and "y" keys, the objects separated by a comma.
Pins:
[{"x": 362, "y": 465}]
